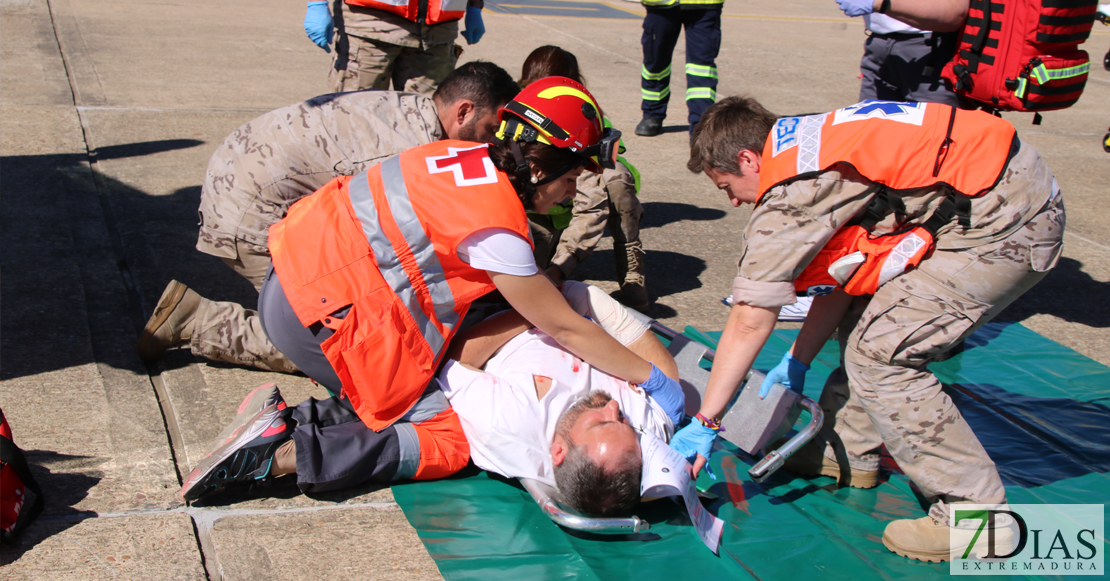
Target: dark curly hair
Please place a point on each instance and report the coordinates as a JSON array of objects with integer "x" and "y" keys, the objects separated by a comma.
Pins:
[{"x": 547, "y": 159}]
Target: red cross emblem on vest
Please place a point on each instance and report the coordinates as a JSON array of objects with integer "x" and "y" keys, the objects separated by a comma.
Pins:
[{"x": 470, "y": 165}]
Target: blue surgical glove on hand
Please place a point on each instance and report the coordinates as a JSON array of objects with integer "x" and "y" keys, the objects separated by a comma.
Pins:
[
  {"x": 667, "y": 393},
  {"x": 694, "y": 439},
  {"x": 856, "y": 7},
  {"x": 318, "y": 25},
  {"x": 475, "y": 28},
  {"x": 790, "y": 372}
]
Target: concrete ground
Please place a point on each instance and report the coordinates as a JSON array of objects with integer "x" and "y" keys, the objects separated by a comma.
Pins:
[{"x": 109, "y": 111}]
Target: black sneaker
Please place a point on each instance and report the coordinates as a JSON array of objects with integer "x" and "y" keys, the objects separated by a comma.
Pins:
[
  {"x": 246, "y": 455},
  {"x": 649, "y": 127}
]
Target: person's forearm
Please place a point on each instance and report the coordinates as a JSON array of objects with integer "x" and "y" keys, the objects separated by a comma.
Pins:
[
  {"x": 745, "y": 334},
  {"x": 476, "y": 345},
  {"x": 593, "y": 345},
  {"x": 824, "y": 315},
  {"x": 538, "y": 301},
  {"x": 935, "y": 15}
]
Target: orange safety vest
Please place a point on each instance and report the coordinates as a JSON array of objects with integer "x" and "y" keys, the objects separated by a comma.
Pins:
[
  {"x": 902, "y": 146},
  {"x": 419, "y": 11},
  {"x": 384, "y": 242}
]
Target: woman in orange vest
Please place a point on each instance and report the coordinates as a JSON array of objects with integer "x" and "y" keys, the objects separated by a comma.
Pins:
[{"x": 374, "y": 274}]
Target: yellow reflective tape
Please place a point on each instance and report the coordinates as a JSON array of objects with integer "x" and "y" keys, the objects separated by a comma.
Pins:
[
  {"x": 650, "y": 76},
  {"x": 1040, "y": 73},
  {"x": 1069, "y": 71},
  {"x": 1020, "y": 92},
  {"x": 553, "y": 92},
  {"x": 701, "y": 93},
  {"x": 655, "y": 95},
  {"x": 701, "y": 71}
]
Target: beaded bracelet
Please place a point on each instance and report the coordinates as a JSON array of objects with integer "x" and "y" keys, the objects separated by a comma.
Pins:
[{"x": 714, "y": 425}]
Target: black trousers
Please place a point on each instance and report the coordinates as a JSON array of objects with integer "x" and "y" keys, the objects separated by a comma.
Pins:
[{"x": 703, "y": 42}]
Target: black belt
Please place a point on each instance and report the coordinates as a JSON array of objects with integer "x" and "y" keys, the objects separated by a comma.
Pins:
[{"x": 901, "y": 35}]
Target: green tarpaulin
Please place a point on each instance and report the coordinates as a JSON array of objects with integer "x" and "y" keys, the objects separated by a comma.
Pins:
[{"x": 1039, "y": 408}]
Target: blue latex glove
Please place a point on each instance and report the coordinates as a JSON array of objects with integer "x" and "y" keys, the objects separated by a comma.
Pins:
[
  {"x": 475, "y": 28},
  {"x": 692, "y": 440},
  {"x": 790, "y": 372},
  {"x": 318, "y": 25},
  {"x": 667, "y": 393},
  {"x": 856, "y": 7}
]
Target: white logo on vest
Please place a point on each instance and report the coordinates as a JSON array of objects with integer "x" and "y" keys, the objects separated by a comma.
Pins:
[{"x": 471, "y": 165}]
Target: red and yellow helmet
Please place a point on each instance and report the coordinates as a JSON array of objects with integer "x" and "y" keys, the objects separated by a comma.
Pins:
[{"x": 560, "y": 112}]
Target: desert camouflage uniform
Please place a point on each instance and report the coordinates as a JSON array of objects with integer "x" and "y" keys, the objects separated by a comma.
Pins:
[
  {"x": 269, "y": 163},
  {"x": 605, "y": 198},
  {"x": 374, "y": 48},
  {"x": 883, "y": 392}
]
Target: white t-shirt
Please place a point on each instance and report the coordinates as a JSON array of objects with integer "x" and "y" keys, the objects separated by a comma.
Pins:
[
  {"x": 510, "y": 430},
  {"x": 498, "y": 250},
  {"x": 883, "y": 24}
]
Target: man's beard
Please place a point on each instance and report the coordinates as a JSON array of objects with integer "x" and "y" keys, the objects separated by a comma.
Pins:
[
  {"x": 469, "y": 132},
  {"x": 593, "y": 400}
]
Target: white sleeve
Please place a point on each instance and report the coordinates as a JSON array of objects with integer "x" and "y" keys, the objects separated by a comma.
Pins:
[{"x": 498, "y": 250}]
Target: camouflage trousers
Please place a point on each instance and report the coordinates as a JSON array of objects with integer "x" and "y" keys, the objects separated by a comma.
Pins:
[
  {"x": 361, "y": 64},
  {"x": 883, "y": 393},
  {"x": 251, "y": 262},
  {"x": 224, "y": 331}
]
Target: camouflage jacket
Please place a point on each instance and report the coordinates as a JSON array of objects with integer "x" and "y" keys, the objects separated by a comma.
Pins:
[{"x": 280, "y": 157}]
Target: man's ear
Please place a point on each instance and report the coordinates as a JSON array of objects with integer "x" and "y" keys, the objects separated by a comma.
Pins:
[
  {"x": 463, "y": 109},
  {"x": 749, "y": 161},
  {"x": 559, "y": 447}
]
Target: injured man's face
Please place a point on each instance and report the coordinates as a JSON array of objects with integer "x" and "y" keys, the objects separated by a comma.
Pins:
[{"x": 596, "y": 454}]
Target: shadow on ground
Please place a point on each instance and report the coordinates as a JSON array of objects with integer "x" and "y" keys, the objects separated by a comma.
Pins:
[
  {"x": 73, "y": 244},
  {"x": 62, "y": 490}
]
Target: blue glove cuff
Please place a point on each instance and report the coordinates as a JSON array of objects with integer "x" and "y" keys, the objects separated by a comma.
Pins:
[
  {"x": 318, "y": 2},
  {"x": 794, "y": 363}
]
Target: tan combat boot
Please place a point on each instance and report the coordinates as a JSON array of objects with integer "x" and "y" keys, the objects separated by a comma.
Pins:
[
  {"x": 925, "y": 539},
  {"x": 630, "y": 274},
  {"x": 810, "y": 462},
  {"x": 171, "y": 323}
]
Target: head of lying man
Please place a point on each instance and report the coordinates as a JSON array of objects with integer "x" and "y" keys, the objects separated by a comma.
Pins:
[{"x": 596, "y": 455}]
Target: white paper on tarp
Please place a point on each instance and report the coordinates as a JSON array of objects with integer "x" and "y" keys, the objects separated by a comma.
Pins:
[{"x": 666, "y": 473}]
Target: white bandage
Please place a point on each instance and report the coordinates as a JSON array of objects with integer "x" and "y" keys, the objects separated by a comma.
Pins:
[{"x": 590, "y": 301}]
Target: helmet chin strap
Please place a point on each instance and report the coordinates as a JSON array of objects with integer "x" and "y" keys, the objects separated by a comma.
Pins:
[{"x": 523, "y": 170}]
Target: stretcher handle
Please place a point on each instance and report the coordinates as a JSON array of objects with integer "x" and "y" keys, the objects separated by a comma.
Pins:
[
  {"x": 775, "y": 459},
  {"x": 554, "y": 510}
]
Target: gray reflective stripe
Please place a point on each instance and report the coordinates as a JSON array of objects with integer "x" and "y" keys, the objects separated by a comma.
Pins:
[
  {"x": 431, "y": 403},
  {"x": 809, "y": 143},
  {"x": 424, "y": 251},
  {"x": 362, "y": 200},
  {"x": 409, "y": 444}
]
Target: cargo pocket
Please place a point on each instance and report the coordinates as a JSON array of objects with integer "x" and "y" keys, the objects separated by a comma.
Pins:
[
  {"x": 920, "y": 321},
  {"x": 1043, "y": 256},
  {"x": 389, "y": 362}
]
